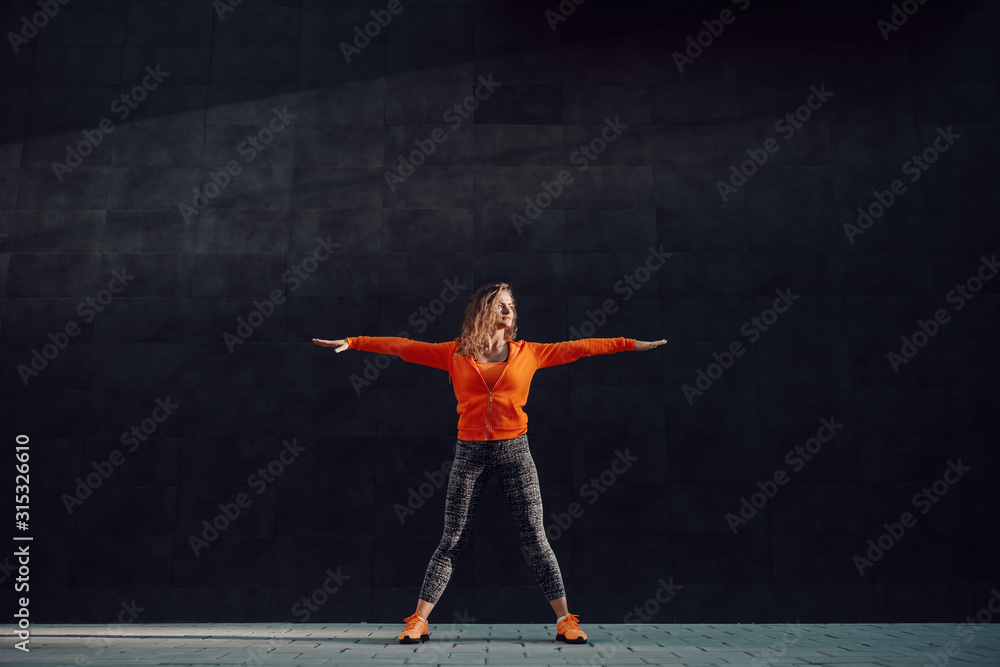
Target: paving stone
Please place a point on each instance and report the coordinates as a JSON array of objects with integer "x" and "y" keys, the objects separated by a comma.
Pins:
[{"x": 817, "y": 645}]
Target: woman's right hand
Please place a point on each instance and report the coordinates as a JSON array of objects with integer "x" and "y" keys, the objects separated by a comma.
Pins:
[{"x": 340, "y": 344}]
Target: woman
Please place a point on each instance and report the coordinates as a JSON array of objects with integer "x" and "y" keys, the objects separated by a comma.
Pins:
[{"x": 491, "y": 372}]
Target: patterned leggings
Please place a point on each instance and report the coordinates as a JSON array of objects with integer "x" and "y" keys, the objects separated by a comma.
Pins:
[{"x": 475, "y": 462}]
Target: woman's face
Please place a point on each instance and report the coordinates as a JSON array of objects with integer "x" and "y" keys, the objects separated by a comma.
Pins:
[{"x": 505, "y": 310}]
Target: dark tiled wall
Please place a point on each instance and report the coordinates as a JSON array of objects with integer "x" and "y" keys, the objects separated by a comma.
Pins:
[{"x": 220, "y": 384}]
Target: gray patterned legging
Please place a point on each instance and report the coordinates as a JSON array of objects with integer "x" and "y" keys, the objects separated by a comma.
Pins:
[{"x": 475, "y": 462}]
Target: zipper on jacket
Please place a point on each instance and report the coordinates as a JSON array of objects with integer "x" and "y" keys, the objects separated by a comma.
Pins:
[{"x": 489, "y": 412}]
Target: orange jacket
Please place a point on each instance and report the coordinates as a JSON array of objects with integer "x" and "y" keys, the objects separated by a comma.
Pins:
[{"x": 485, "y": 414}]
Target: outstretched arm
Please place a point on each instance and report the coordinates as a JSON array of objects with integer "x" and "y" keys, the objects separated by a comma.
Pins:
[
  {"x": 436, "y": 355},
  {"x": 553, "y": 354}
]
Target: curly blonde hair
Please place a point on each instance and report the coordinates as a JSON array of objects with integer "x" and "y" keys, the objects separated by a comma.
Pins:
[{"x": 481, "y": 320}]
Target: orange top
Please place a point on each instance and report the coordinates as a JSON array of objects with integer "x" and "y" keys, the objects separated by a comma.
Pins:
[
  {"x": 487, "y": 413},
  {"x": 491, "y": 370}
]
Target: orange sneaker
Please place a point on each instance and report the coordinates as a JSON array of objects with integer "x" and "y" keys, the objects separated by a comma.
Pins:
[
  {"x": 567, "y": 630},
  {"x": 416, "y": 630}
]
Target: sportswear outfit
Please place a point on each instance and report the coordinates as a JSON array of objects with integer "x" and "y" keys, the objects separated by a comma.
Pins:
[{"x": 492, "y": 439}]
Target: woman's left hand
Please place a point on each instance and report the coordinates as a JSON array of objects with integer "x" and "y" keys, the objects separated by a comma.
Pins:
[{"x": 642, "y": 345}]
